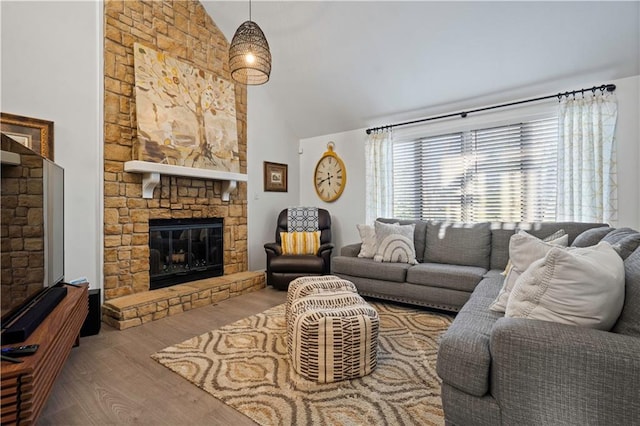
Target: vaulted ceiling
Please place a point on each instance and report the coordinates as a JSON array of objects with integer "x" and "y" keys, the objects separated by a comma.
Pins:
[{"x": 340, "y": 66}]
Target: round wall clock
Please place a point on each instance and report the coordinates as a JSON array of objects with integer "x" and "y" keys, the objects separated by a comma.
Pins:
[{"x": 330, "y": 176}]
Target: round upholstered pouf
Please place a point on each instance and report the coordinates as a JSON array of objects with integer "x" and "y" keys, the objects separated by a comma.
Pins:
[
  {"x": 304, "y": 286},
  {"x": 334, "y": 336},
  {"x": 322, "y": 300}
]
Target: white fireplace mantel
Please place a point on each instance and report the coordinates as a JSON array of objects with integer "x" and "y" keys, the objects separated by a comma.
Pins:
[{"x": 151, "y": 176}]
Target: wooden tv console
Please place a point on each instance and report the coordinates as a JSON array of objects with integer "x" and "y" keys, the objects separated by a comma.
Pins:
[{"x": 25, "y": 387}]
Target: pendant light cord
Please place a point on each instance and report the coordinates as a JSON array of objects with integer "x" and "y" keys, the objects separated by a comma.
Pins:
[{"x": 250, "y": 10}]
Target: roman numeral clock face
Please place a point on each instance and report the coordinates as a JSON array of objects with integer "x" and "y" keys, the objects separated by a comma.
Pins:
[{"x": 330, "y": 176}]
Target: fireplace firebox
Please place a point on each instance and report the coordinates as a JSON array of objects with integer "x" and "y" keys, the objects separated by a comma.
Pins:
[{"x": 183, "y": 250}]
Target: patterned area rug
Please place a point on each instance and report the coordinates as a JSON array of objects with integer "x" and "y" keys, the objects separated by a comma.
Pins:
[{"x": 245, "y": 365}]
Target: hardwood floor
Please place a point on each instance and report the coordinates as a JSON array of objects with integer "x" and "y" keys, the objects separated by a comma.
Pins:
[{"x": 110, "y": 379}]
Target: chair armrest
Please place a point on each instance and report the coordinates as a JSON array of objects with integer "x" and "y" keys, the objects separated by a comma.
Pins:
[
  {"x": 549, "y": 373},
  {"x": 352, "y": 250},
  {"x": 325, "y": 247},
  {"x": 273, "y": 248},
  {"x": 324, "y": 251}
]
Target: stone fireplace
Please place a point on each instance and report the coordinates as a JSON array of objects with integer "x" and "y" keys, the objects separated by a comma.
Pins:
[{"x": 184, "y": 31}]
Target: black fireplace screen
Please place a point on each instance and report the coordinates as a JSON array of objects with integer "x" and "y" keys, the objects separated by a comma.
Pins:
[{"x": 182, "y": 250}]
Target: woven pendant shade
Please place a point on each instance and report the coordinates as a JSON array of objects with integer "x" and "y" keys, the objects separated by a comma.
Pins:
[{"x": 249, "y": 55}]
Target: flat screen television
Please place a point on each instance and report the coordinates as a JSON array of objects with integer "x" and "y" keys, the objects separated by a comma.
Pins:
[{"x": 31, "y": 237}]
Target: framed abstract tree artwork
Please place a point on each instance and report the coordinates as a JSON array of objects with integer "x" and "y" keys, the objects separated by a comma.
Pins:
[{"x": 186, "y": 116}]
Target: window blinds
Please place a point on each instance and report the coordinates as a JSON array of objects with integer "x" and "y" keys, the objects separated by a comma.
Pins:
[{"x": 505, "y": 173}]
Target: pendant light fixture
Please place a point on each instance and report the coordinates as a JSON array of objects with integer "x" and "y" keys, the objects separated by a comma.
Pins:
[{"x": 249, "y": 55}]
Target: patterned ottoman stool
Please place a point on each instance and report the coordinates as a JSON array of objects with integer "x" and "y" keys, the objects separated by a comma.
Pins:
[
  {"x": 332, "y": 336},
  {"x": 304, "y": 286}
]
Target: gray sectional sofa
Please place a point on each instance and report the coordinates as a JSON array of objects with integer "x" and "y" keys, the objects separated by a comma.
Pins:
[
  {"x": 453, "y": 260},
  {"x": 511, "y": 371}
]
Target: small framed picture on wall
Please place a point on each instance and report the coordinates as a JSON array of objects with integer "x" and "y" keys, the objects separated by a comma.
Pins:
[
  {"x": 275, "y": 177},
  {"x": 34, "y": 133}
]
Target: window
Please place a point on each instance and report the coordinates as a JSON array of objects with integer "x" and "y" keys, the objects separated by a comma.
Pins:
[{"x": 505, "y": 173}]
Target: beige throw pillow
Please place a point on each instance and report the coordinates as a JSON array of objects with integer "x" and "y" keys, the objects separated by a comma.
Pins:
[
  {"x": 369, "y": 245},
  {"x": 395, "y": 243},
  {"x": 577, "y": 286},
  {"x": 549, "y": 239},
  {"x": 368, "y": 237},
  {"x": 524, "y": 249}
]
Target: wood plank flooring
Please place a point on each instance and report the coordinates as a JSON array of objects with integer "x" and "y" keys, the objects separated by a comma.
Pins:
[{"x": 110, "y": 379}]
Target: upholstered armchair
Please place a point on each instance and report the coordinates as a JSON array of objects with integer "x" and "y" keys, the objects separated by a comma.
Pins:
[{"x": 284, "y": 267}]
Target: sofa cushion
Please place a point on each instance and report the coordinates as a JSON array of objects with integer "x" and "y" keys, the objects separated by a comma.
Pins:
[
  {"x": 350, "y": 250},
  {"x": 591, "y": 237},
  {"x": 573, "y": 229},
  {"x": 456, "y": 277},
  {"x": 617, "y": 235},
  {"x": 627, "y": 245},
  {"x": 623, "y": 240},
  {"x": 368, "y": 268},
  {"x": 629, "y": 321},
  {"x": 466, "y": 244},
  {"x": 502, "y": 231},
  {"x": 297, "y": 264},
  {"x": 492, "y": 273},
  {"x": 575, "y": 286},
  {"x": 419, "y": 234},
  {"x": 464, "y": 358}
]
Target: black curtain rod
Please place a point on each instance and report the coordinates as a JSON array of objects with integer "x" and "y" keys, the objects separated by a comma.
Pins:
[{"x": 602, "y": 88}]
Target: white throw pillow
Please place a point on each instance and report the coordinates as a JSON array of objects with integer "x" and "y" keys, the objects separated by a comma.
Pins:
[
  {"x": 549, "y": 239},
  {"x": 577, "y": 286},
  {"x": 395, "y": 243},
  {"x": 369, "y": 245},
  {"x": 524, "y": 249},
  {"x": 368, "y": 237}
]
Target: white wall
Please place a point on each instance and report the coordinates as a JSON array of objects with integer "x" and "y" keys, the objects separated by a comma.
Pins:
[
  {"x": 348, "y": 210},
  {"x": 628, "y": 138},
  {"x": 52, "y": 69},
  {"x": 268, "y": 139}
]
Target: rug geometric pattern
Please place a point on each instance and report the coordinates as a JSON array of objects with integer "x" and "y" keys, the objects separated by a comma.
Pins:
[{"x": 246, "y": 366}]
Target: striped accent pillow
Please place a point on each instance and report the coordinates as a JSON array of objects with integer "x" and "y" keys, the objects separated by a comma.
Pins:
[{"x": 300, "y": 242}]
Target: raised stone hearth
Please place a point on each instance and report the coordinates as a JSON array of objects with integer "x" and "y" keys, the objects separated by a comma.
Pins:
[{"x": 136, "y": 309}]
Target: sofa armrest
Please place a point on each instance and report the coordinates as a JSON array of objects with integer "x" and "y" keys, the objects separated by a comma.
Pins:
[
  {"x": 352, "y": 250},
  {"x": 548, "y": 373}
]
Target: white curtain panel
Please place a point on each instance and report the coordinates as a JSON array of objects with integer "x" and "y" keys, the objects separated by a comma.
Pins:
[
  {"x": 379, "y": 176},
  {"x": 587, "y": 171}
]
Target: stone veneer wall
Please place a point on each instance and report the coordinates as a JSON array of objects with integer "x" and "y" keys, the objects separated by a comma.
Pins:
[{"x": 183, "y": 30}]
